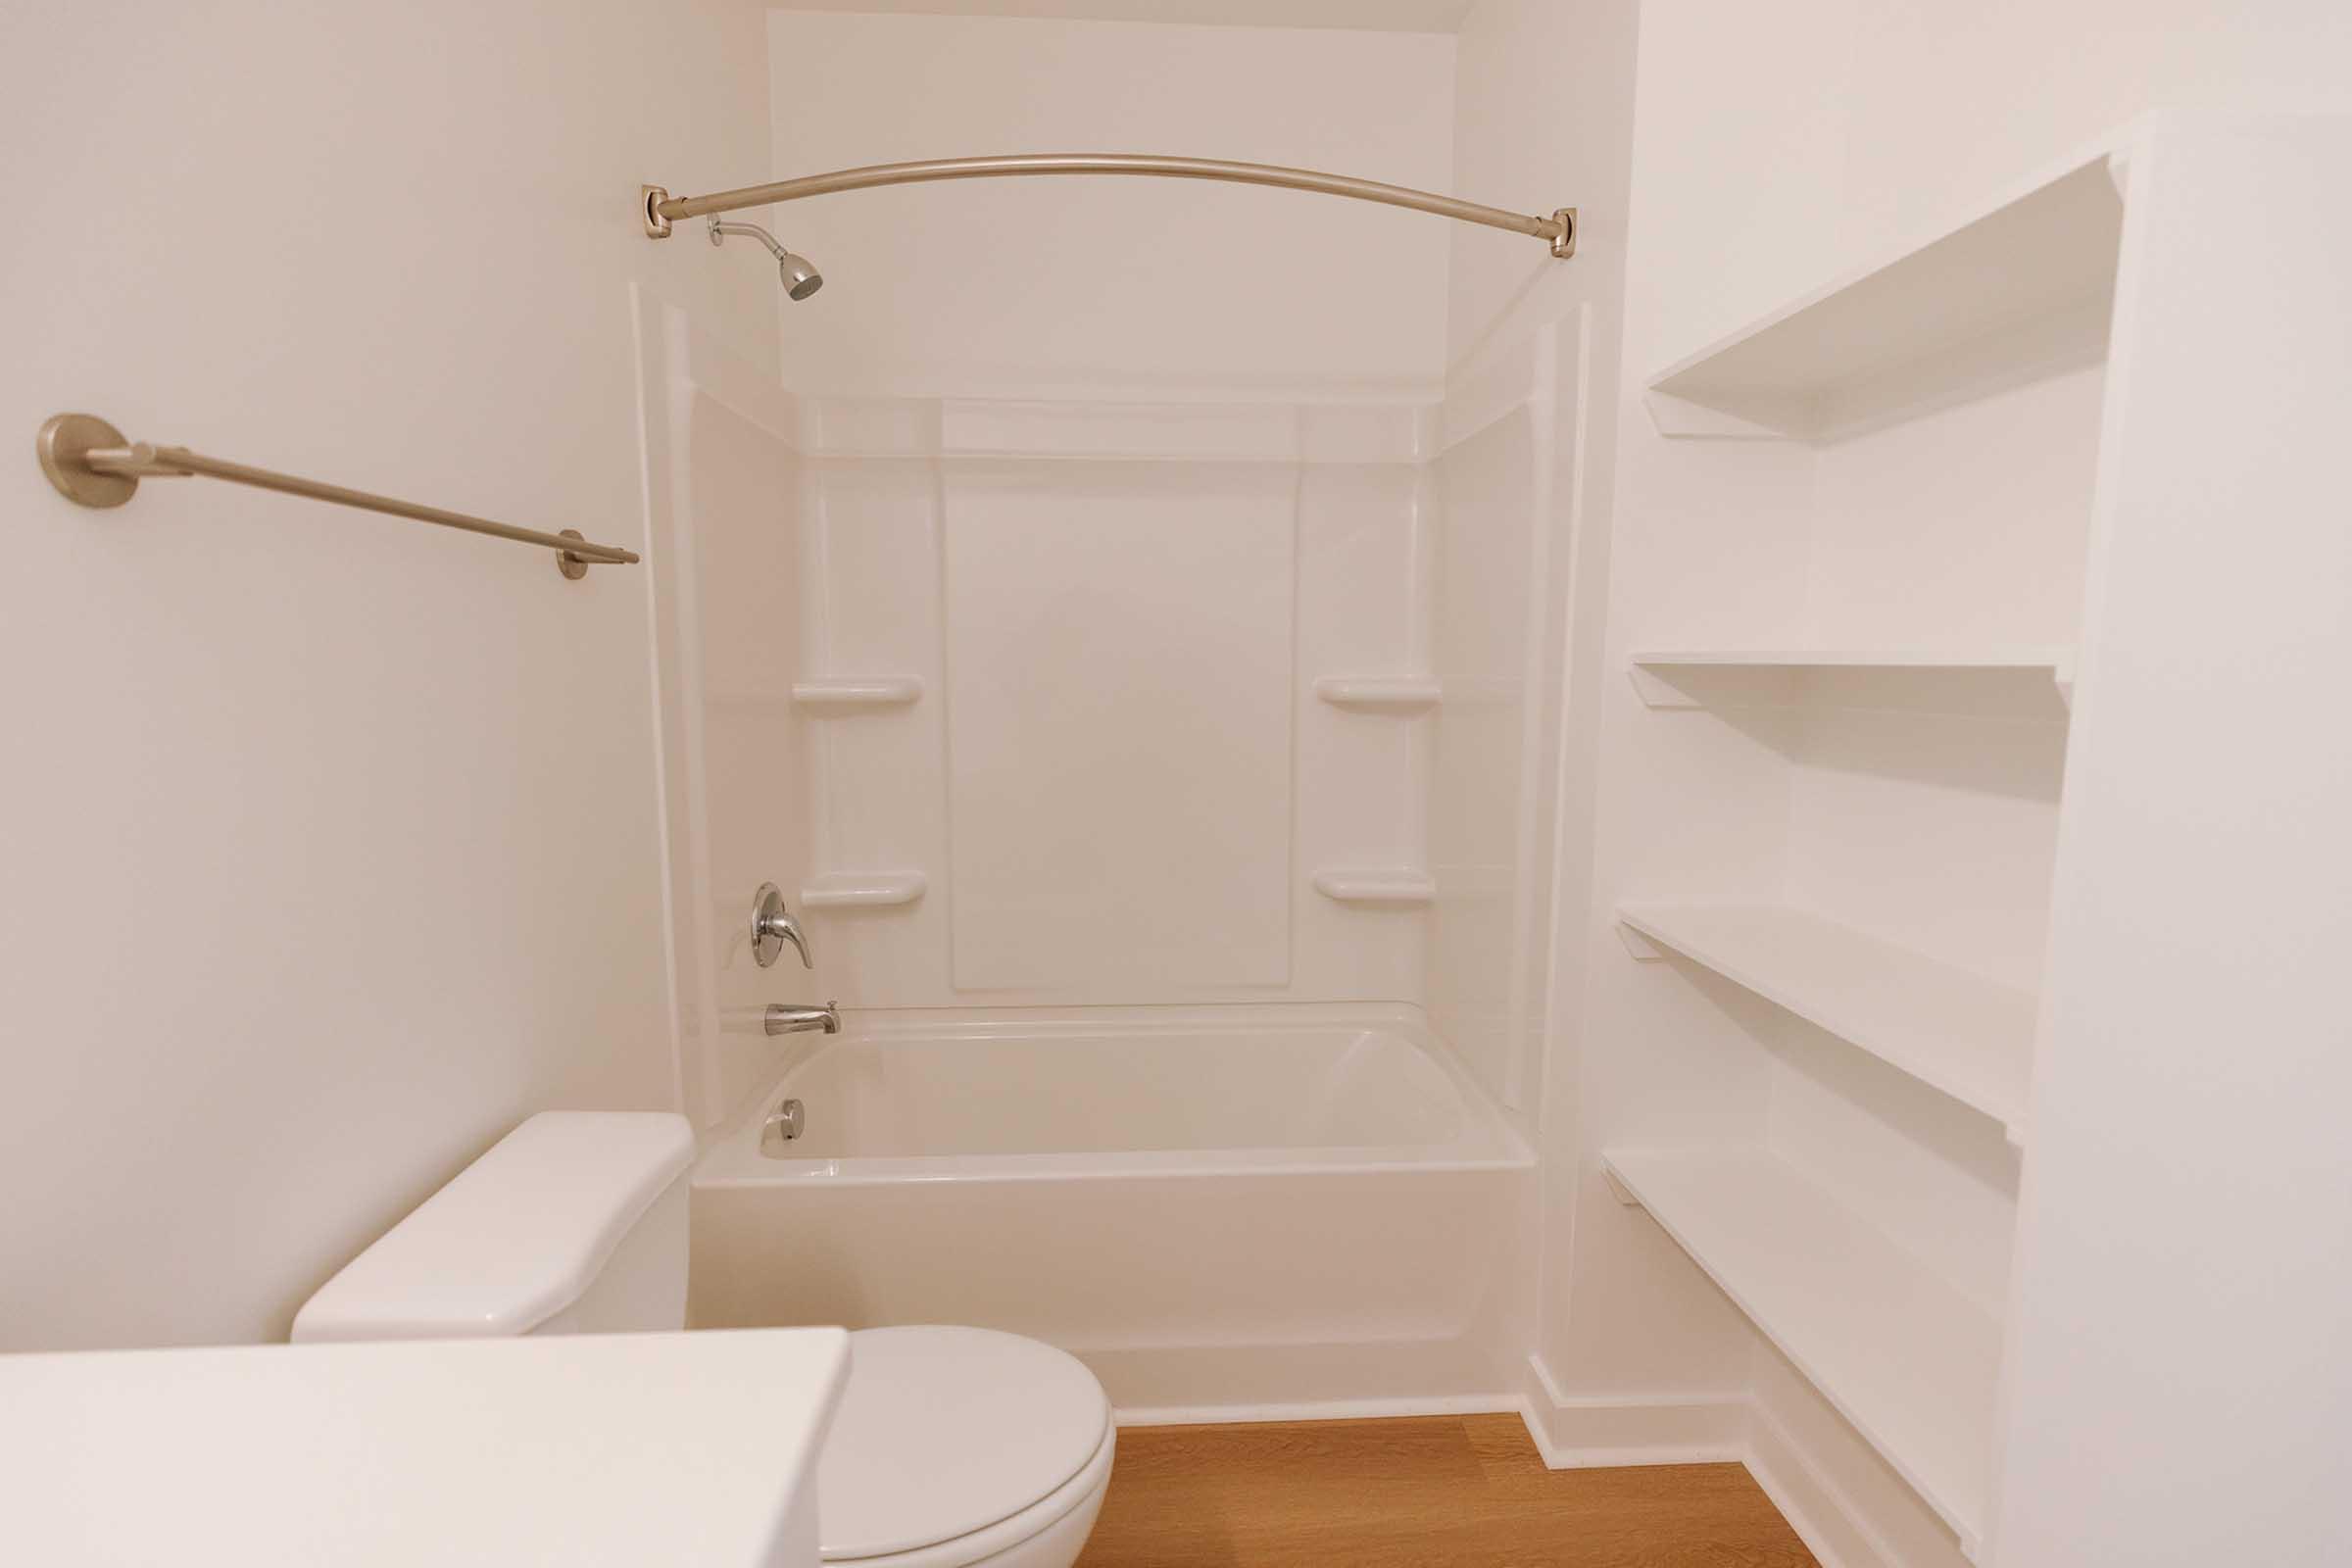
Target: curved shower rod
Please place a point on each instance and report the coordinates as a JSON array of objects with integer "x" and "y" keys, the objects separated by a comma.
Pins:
[{"x": 661, "y": 209}]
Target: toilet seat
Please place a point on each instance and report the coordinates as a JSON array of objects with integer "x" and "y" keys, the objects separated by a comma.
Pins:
[
  {"x": 953, "y": 1446},
  {"x": 1069, "y": 1508}
]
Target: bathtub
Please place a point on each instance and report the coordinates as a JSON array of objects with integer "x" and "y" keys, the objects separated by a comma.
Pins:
[{"x": 1221, "y": 1210}]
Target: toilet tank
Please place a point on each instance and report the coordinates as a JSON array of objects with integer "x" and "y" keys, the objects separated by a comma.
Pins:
[{"x": 573, "y": 1223}]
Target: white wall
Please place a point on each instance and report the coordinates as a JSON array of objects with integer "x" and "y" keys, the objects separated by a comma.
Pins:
[
  {"x": 2178, "y": 1377},
  {"x": 1105, "y": 284},
  {"x": 1775, "y": 148},
  {"x": 331, "y": 845},
  {"x": 1802, "y": 141}
]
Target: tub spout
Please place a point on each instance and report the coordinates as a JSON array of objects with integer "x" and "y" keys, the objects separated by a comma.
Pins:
[{"x": 783, "y": 1018}]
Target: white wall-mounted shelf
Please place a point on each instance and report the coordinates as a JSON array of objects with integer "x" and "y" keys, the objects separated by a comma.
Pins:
[
  {"x": 1387, "y": 694},
  {"x": 858, "y": 691},
  {"x": 2005, "y": 296},
  {"x": 842, "y": 890},
  {"x": 1396, "y": 884},
  {"x": 1698, "y": 677},
  {"x": 1957, "y": 1032},
  {"x": 1905, "y": 1357},
  {"x": 2023, "y": 657}
]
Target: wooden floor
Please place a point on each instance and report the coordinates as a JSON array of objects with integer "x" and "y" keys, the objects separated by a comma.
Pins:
[{"x": 1424, "y": 1491}]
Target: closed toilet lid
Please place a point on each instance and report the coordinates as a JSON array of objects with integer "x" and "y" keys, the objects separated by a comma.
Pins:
[{"x": 945, "y": 1431}]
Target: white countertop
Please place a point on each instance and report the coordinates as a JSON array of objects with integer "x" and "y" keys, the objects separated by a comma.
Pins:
[{"x": 636, "y": 1448}]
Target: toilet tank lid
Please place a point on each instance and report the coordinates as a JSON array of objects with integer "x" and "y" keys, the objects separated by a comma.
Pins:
[{"x": 514, "y": 1239}]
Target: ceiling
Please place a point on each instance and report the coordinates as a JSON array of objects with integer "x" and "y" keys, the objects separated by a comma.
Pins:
[{"x": 1376, "y": 15}]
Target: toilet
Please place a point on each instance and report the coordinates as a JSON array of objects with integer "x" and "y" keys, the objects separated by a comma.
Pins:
[{"x": 953, "y": 1447}]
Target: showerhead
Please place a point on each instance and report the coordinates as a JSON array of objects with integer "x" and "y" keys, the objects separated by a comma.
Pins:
[
  {"x": 800, "y": 276},
  {"x": 800, "y": 273}
]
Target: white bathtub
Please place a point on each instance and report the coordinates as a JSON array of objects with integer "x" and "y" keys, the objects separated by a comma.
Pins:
[{"x": 1216, "y": 1208}]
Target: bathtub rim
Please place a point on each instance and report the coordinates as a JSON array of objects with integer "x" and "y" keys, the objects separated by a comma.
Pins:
[{"x": 1489, "y": 1143}]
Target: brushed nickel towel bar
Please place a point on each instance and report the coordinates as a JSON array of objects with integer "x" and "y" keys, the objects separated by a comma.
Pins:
[
  {"x": 661, "y": 209},
  {"x": 90, "y": 462}
]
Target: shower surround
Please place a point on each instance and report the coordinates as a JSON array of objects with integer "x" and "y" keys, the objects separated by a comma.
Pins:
[
  {"x": 1121, "y": 703},
  {"x": 1224, "y": 709},
  {"x": 1135, "y": 655}
]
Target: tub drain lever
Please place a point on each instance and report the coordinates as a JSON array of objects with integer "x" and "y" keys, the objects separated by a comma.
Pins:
[{"x": 784, "y": 1124}]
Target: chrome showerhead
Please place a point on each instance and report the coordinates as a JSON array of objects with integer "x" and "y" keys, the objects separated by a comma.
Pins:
[{"x": 800, "y": 275}]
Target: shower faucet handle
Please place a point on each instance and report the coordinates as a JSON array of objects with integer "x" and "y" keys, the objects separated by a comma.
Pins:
[{"x": 773, "y": 925}]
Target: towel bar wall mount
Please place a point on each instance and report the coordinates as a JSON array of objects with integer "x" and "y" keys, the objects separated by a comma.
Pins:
[{"x": 93, "y": 464}]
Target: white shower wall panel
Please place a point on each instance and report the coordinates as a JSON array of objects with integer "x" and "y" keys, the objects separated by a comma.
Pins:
[
  {"x": 1498, "y": 580},
  {"x": 881, "y": 773},
  {"x": 1482, "y": 565},
  {"x": 1115, "y": 778},
  {"x": 1118, "y": 704},
  {"x": 1365, "y": 534},
  {"x": 726, "y": 488}
]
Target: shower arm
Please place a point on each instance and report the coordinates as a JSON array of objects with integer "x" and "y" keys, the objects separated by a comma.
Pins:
[{"x": 661, "y": 209}]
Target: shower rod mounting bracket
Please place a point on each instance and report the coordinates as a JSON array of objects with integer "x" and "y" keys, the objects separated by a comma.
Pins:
[{"x": 661, "y": 210}]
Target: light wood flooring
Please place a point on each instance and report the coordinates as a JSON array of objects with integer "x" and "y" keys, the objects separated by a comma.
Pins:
[{"x": 1428, "y": 1491}]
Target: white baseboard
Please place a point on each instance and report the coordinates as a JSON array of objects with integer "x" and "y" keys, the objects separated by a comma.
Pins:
[
  {"x": 1710, "y": 1428},
  {"x": 1590, "y": 1431},
  {"x": 1196, "y": 1415},
  {"x": 1851, "y": 1507},
  {"x": 1836, "y": 1532}
]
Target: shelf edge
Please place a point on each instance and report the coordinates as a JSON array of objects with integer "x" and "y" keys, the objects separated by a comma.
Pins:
[{"x": 843, "y": 890}]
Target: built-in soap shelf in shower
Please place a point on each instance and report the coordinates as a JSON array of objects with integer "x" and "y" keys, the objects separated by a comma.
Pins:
[
  {"x": 835, "y": 692},
  {"x": 1392, "y": 885},
  {"x": 746, "y": 702},
  {"x": 850, "y": 890},
  {"x": 1384, "y": 694}
]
